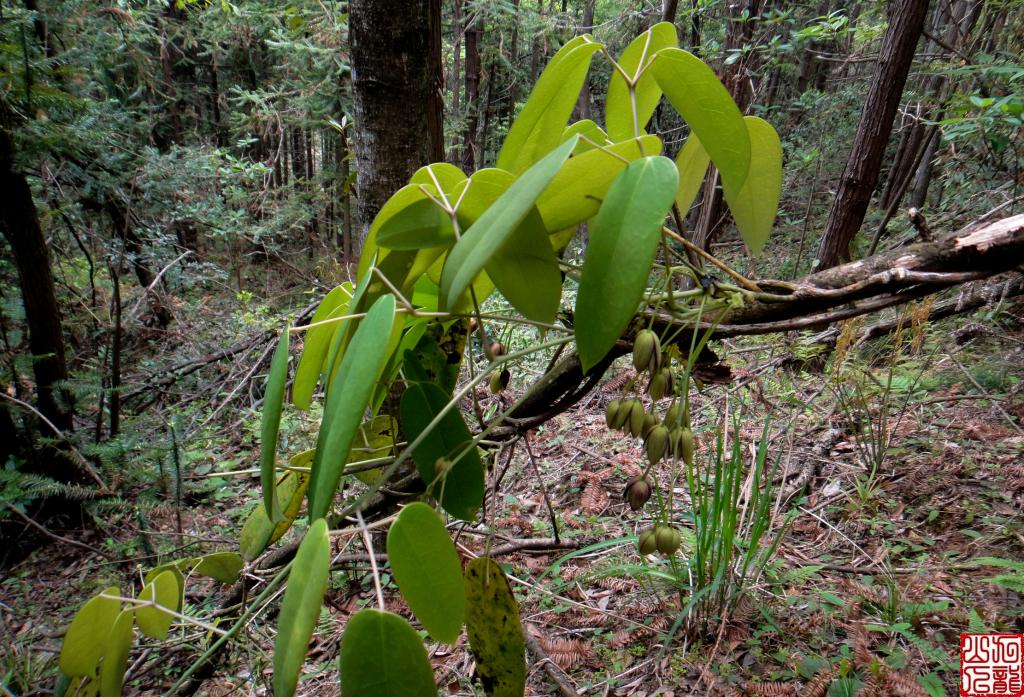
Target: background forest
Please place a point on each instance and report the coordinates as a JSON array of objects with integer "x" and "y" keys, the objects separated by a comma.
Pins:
[{"x": 180, "y": 181}]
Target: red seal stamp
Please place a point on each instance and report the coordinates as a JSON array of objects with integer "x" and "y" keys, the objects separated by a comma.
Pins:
[{"x": 992, "y": 665}]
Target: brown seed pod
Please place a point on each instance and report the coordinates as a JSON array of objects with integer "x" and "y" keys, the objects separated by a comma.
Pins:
[
  {"x": 647, "y": 543},
  {"x": 494, "y": 349},
  {"x": 637, "y": 493},
  {"x": 656, "y": 444}
]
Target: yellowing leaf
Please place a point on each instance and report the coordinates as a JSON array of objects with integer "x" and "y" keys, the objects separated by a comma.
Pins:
[
  {"x": 494, "y": 629},
  {"x": 756, "y": 203},
  {"x": 625, "y": 117},
  {"x": 84, "y": 640},
  {"x": 155, "y": 621},
  {"x": 692, "y": 163}
]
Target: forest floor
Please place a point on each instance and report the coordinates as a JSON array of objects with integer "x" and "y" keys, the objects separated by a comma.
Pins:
[{"x": 886, "y": 554}]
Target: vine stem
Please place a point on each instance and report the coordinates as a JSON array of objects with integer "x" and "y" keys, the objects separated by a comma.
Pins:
[{"x": 736, "y": 276}]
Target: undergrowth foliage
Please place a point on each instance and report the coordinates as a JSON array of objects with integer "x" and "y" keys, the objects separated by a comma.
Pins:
[{"x": 388, "y": 348}]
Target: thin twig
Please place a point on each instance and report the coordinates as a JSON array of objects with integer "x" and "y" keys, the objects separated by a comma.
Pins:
[{"x": 55, "y": 536}]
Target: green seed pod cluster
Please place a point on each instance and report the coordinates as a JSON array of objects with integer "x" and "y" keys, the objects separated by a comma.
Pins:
[
  {"x": 657, "y": 443},
  {"x": 647, "y": 543},
  {"x": 667, "y": 539},
  {"x": 650, "y": 421},
  {"x": 611, "y": 413},
  {"x": 646, "y": 351},
  {"x": 637, "y": 492},
  {"x": 499, "y": 381},
  {"x": 672, "y": 415}
]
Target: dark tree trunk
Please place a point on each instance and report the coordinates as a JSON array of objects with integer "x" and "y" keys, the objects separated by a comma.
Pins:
[
  {"x": 669, "y": 8},
  {"x": 435, "y": 103},
  {"x": 454, "y": 155},
  {"x": 861, "y": 173},
  {"x": 42, "y": 314},
  {"x": 474, "y": 32},
  {"x": 392, "y": 80}
]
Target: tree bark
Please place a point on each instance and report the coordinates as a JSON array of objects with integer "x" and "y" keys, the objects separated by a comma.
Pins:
[
  {"x": 392, "y": 81},
  {"x": 470, "y": 146},
  {"x": 861, "y": 173},
  {"x": 20, "y": 225}
]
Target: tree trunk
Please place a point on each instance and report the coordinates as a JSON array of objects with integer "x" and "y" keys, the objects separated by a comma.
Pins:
[
  {"x": 583, "y": 104},
  {"x": 473, "y": 32},
  {"x": 669, "y": 8},
  {"x": 20, "y": 225},
  {"x": 861, "y": 173},
  {"x": 392, "y": 80}
]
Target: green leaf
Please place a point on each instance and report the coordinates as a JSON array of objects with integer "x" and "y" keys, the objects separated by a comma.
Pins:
[
  {"x": 696, "y": 93},
  {"x": 494, "y": 629},
  {"x": 303, "y": 598},
  {"x": 525, "y": 270},
  {"x": 84, "y": 640},
  {"x": 374, "y": 439},
  {"x": 619, "y": 111},
  {"x": 220, "y": 566},
  {"x": 437, "y": 355},
  {"x": 350, "y": 393},
  {"x": 427, "y": 569},
  {"x": 399, "y": 201},
  {"x": 273, "y": 400},
  {"x": 155, "y": 622},
  {"x": 258, "y": 532},
  {"x": 461, "y": 488},
  {"x": 692, "y": 163},
  {"x": 756, "y": 203},
  {"x": 420, "y": 225},
  {"x": 178, "y": 569},
  {"x": 382, "y": 656},
  {"x": 115, "y": 655},
  {"x": 490, "y": 232},
  {"x": 575, "y": 193},
  {"x": 623, "y": 240},
  {"x": 539, "y": 126},
  {"x": 315, "y": 344},
  {"x": 589, "y": 132},
  {"x": 439, "y": 174}
]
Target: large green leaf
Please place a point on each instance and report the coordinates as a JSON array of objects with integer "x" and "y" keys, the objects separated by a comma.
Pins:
[
  {"x": 221, "y": 566},
  {"x": 399, "y": 201},
  {"x": 591, "y": 135},
  {"x": 539, "y": 126},
  {"x": 420, "y": 225},
  {"x": 178, "y": 569},
  {"x": 273, "y": 401},
  {"x": 154, "y": 621},
  {"x": 575, "y": 193},
  {"x": 84, "y": 640},
  {"x": 624, "y": 117},
  {"x": 756, "y": 203},
  {"x": 461, "y": 488},
  {"x": 698, "y": 95},
  {"x": 115, "y": 655},
  {"x": 442, "y": 174},
  {"x": 623, "y": 240},
  {"x": 494, "y": 629},
  {"x": 492, "y": 229},
  {"x": 259, "y": 531},
  {"x": 425, "y": 565},
  {"x": 315, "y": 344},
  {"x": 303, "y": 597},
  {"x": 350, "y": 393},
  {"x": 692, "y": 163},
  {"x": 382, "y": 656},
  {"x": 524, "y": 268}
]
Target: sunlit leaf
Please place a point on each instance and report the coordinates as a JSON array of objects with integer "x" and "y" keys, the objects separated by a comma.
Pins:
[
  {"x": 303, "y": 598},
  {"x": 258, "y": 531},
  {"x": 492, "y": 230},
  {"x": 575, "y": 193},
  {"x": 620, "y": 110},
  {"x": 420, "y": 225},
  {"x": 538, "y": 127},
  {"x": 163, "y": 591},
  {"x": 115, "y": 655},
  {"x": 692, "y": 163},
  {"x": 425, "y": 565},
  {"x": 756, "y": 203},
  {"x": 623, "y": 240},
  {"x": 316, "y": 341},
  {"x": 84, "y": 641},
  {"x": 697, "y": 94}
]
